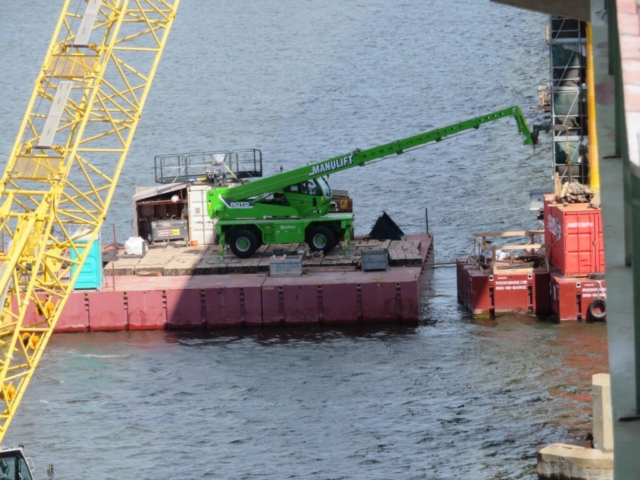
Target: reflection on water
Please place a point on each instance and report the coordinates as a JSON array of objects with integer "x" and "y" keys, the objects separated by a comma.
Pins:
[{"x": 282, "y": 336}]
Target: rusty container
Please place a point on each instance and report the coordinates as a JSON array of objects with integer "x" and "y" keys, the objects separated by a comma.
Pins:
[{"x": 575, "y": 233}]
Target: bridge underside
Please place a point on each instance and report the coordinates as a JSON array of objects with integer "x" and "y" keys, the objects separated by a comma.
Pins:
[{"x": 578, "y": 9}]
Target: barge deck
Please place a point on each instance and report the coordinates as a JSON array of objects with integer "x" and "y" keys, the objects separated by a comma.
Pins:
[{"x": 188, "y": 288}]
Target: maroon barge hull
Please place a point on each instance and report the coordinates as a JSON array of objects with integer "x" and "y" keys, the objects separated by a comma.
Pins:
[
  {"x": 578, "y": 298},
  {"x": 210, "y": 301},
  {"x": 488, "y": 294}
]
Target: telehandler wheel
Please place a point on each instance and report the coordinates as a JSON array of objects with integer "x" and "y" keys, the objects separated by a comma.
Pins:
[
  {"x": 321, "y": 238},
  {"x": 243, "y": 243}
]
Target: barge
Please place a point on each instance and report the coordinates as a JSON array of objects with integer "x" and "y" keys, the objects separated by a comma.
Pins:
[
  {"x": 562, "y": 273},
  {"x": 194, "y": 287},
  {"x": 218, "y": 201},
  {"x": 557, "y": 272}
]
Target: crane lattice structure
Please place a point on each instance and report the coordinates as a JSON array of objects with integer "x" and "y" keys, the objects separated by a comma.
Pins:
[{"x": 64, "y": 167}]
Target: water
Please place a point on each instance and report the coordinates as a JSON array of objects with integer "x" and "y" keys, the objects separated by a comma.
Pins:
[{"x": 303, "y": 81}]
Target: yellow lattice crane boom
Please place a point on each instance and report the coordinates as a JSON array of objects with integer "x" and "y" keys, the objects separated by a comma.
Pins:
[{"x": 64, "y": 167}]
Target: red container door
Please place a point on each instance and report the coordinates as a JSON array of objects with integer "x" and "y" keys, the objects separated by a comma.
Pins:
[
  {"x": 581, "y": 242},
  {"x": 576, "y": 232}
]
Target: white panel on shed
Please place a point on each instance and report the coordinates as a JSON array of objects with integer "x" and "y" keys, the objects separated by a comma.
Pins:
[{"x": 201, "y": 227}]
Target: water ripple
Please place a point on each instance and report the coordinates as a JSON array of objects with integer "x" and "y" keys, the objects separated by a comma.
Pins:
[{"x": 452, "y": 398}]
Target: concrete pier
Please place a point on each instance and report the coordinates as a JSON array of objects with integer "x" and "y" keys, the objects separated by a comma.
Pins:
[
  {"x": 602, "y": 413},
  {"x": 575, "y": 462}
]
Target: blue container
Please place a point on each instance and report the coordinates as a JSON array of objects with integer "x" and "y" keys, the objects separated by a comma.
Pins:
[{"x": 91, "y": 273}]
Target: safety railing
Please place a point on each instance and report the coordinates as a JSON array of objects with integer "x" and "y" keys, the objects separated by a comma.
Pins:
[
  {"x": 208, "y": 167},
  {"x": 523, "y": 257}
]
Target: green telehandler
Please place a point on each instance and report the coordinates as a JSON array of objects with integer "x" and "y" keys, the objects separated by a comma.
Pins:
[{"x": 297, "y": 206}]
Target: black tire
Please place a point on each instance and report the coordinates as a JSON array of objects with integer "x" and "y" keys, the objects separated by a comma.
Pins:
[
  {"x": 243, "y": 243},
  {"x": 321, "y": 238},
  {"x": 597, "y": 310}
]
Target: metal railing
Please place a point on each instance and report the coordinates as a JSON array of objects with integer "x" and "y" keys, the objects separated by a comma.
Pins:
[{"x": 208, "y": 167}]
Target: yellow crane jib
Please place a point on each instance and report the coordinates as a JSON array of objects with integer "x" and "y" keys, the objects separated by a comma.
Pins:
[{"x": 65, "y": 164}]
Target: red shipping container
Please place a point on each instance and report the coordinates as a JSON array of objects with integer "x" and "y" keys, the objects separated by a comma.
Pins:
[{"x": 575, "y": 232}]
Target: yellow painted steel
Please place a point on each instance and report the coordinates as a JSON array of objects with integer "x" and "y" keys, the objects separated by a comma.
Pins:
[
  {"x": 594, "y": 161},
  {"x": 64, "y": 167}
]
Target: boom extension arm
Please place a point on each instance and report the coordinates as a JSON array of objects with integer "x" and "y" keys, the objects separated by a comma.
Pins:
[{"x": 360, "y": 157}]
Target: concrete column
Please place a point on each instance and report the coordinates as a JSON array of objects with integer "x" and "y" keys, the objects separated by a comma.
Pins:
[
  {"x": 573, "y": 461},
  {"x": 602, "y": 413}
]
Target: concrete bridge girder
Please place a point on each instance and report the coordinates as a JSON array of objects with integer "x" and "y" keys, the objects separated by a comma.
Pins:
[{"x": 578, "y": 9}]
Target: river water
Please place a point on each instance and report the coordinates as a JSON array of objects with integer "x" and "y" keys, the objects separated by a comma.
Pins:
[{"x": 450, "y": 398}]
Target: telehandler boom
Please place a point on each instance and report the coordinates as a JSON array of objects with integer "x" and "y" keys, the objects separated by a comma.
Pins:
[{"x": 296, "y": 206}]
